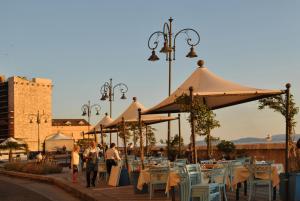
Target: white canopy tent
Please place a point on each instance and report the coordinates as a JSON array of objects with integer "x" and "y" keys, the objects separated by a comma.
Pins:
[
  {"x": 214, "y": 91},
  {"x": 22, "y": 152},
  {"x": 100, "y": 127},
  {"x": 11, "y": 139},
  {"x": 58, "y": 141},
  {"x": 131, "y": 114},
  {"x": 106, "y": 120}
]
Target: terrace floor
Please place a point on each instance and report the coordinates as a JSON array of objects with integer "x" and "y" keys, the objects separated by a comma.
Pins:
[{"x": 104, "y": 192}]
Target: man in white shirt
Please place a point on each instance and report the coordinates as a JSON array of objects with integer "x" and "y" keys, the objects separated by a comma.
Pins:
[
  {"x": 91, "y": 155},
  {"x": 111, "y": 156}
]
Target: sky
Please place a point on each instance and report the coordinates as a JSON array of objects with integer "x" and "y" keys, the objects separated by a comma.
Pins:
[{"x": 80, "y": 45}]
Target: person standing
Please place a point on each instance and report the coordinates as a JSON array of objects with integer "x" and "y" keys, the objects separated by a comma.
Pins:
[
  {"x": 75, "y": 163},
  {"x": 111, "y": 156},
  {"x": 91, "y": 155},
  {"x": 189, "y": 153}
]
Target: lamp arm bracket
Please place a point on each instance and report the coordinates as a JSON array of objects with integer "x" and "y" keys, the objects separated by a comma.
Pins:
[
  {"x": 123, "y": 87},
  {"x": 189, "y": 40},
  {"x": 153, "y": 46},
  {"x": 96, "y": 106}
]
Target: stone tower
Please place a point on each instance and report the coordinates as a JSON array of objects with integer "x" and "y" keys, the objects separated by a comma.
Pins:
[{"x": 30, "y": 110}]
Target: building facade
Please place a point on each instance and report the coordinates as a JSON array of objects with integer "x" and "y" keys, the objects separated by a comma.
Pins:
[
  {"x": 26, "y": 110},
  {"x": 71, "y": 127}
]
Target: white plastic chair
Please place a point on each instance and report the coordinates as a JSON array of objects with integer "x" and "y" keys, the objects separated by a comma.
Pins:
[
  {"x": 158, "y": 177},
  {"x": 256, "y": 170}
]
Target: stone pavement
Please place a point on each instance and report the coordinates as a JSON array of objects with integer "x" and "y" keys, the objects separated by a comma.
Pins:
[
  {"x": 103, "y": 192},
  {"x": 126, "y": 193}
]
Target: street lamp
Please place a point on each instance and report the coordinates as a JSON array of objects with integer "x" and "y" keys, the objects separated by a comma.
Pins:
[
  {"x": 108, "y": 92},
  {"x": 169, "y": 49},
  {"x": 38, "y": 118},
  {"x": 87, "y": 110}
]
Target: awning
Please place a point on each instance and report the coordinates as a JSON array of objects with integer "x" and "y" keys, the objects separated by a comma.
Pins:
[
  {"x": 213, "y": 91},
  {"x": 131, "y": 115}
]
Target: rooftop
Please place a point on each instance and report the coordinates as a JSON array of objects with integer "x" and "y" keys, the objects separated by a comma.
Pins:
[{"x": 69, "y": 122}]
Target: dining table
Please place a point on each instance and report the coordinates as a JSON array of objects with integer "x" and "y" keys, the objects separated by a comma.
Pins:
[
  {"x": 173, "y": 179},
  {"x": 241, "y": 174}
]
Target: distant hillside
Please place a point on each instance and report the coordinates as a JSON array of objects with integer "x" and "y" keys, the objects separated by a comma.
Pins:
[{"x": 254, "y": 140}]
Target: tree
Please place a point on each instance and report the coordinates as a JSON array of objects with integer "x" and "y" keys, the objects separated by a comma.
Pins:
[
  {"x": 13, "y": 146},
  {"x": 125, "y": 136},
  {"x": 278, "y": 104},
  {"x": 149, "y": 137},
  {"x": 226, "y": 147},
  {"x": 204, "y": 118},
  {"x": 174, "y": 144},
  {"x": 212, "y": 141}
]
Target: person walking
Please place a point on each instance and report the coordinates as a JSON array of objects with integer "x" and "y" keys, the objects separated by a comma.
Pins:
[
  {"x": 91, "y": 155},
  {"x": 111, "y": 156},
  {"x": 75, "y": 163}
]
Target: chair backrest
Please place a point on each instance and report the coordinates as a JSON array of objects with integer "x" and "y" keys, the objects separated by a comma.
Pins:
[
  {"x": 261, "y": 171},
  {"x": 193, "y": 167},
  {"x": 185, "y": 186},
  {"x": 195, "y": 178},
  {"x": 194, "y": 172},
  {"x": 206, "y": 162},
  {"x": 244, "y": 160},
  {"x": 218, "y": 175},
  {"x": 159, "y": 175},
  {"x": 181, "y": 160}
]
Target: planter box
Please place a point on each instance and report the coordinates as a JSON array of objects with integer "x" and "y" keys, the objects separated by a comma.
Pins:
[{"x": 294, "y": 186}]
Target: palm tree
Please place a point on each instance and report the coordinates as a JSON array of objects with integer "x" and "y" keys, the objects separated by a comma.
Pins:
[{"x": 13, "y": 146}]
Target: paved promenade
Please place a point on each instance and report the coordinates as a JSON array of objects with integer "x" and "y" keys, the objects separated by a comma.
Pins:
[{"x": 103, "y": 192}]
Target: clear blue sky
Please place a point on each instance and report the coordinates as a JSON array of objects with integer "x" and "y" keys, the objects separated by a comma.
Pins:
[{"x": 81, "y": 44}]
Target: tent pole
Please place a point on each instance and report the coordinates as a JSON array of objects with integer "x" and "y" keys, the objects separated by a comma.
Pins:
[
  {"x": 110, "y": 138},
  {"x": 287, "y": 136},
  {"x": 146, "y": 136},
  {"x": 141, "y": 139},
  {"x": 101, "y": 129},
  {"x": 125, "y": 146},
  {"x": 118, "y": 140},
  {"x": 179, "y": 135},
  {"x": 194, "y": 153},
  {"x": 95, "y": 136}
]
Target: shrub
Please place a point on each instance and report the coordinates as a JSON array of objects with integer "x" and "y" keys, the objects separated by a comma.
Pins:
[
  {"x": 33, "y": 167},
  {"x": 226, "y": 147}
]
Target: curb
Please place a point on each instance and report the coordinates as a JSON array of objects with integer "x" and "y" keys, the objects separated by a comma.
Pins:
[{"x": 50, "y": 180}]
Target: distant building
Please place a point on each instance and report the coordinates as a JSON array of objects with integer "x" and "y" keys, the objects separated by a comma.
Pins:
[
  {"x": 71, "y": 127},
  {"x": 25, "y": 109},
  {"x": 269, "y": 138}
]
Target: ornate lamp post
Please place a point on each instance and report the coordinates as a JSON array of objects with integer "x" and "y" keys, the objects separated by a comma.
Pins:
[
  {"x": 38, "y": 118},
  {"x": 108, "y": 92},
  {"x": 169, "y": 48},
  {"x": 87, "y": 110}
]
